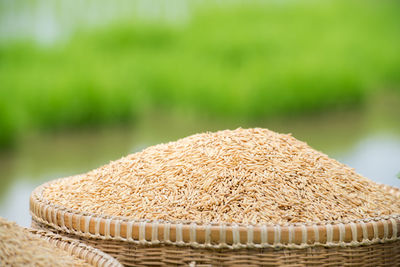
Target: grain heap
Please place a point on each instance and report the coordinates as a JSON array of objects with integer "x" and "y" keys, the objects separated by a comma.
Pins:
[
  {"x": 233, "y": 176},
  {"x": 18, "y": 247}
]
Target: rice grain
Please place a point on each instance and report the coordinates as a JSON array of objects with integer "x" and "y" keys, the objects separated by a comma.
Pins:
[
  {"x": 231, "y": 176},
  {"x": 19, "y": 247}
]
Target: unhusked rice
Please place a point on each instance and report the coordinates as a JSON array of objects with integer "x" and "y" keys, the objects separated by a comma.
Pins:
[
  {"x": 19, "y": 247},
  {"x": 233, "y": 176}
]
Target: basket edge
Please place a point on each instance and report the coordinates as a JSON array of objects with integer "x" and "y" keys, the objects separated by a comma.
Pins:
[
  {"x": 85, "y": 252},
  {"x": 331, "y": 234}
]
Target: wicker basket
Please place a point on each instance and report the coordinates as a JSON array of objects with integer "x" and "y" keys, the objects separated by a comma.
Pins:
[
  {"x": 89, "y": 254},
  {"x": 369, "y": 242}
]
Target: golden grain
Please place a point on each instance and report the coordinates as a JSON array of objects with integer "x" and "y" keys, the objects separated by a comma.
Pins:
[
  {"x": 19, "y": 247},
  {"x": 232, "y": 176}
]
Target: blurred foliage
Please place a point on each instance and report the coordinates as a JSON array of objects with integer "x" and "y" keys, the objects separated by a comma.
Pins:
[{"x": 247, "y": 60}]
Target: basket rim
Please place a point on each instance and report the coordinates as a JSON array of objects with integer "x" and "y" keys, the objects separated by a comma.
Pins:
[
  {"x": 91, "y": 255},
  {"x": 215, "y": 235}
]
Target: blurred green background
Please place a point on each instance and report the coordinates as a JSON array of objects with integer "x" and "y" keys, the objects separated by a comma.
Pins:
[{"x": 84, "y": 83}]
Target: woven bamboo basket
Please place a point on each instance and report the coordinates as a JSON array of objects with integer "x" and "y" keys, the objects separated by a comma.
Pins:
[
  {"x": 367, "y": 242},
  {"x": 75, "y": 248}
]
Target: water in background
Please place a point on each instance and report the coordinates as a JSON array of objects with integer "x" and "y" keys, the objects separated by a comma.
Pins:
[
  {"x": 367, "y": 139},
  {"x": 373, "y": 149}
]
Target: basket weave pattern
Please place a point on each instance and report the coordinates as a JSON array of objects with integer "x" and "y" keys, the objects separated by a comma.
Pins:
[
  {"x": 93, "y": 256},
  {"x": 369, "y": 242}
]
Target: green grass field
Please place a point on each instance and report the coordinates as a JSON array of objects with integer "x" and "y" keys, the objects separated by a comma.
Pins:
[{"x": 250, "y": 60}]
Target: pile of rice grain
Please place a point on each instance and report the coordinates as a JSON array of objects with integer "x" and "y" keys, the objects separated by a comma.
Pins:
[
  {"x": 19, "y": 247},
  {"x": 240, "y": 176}
]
